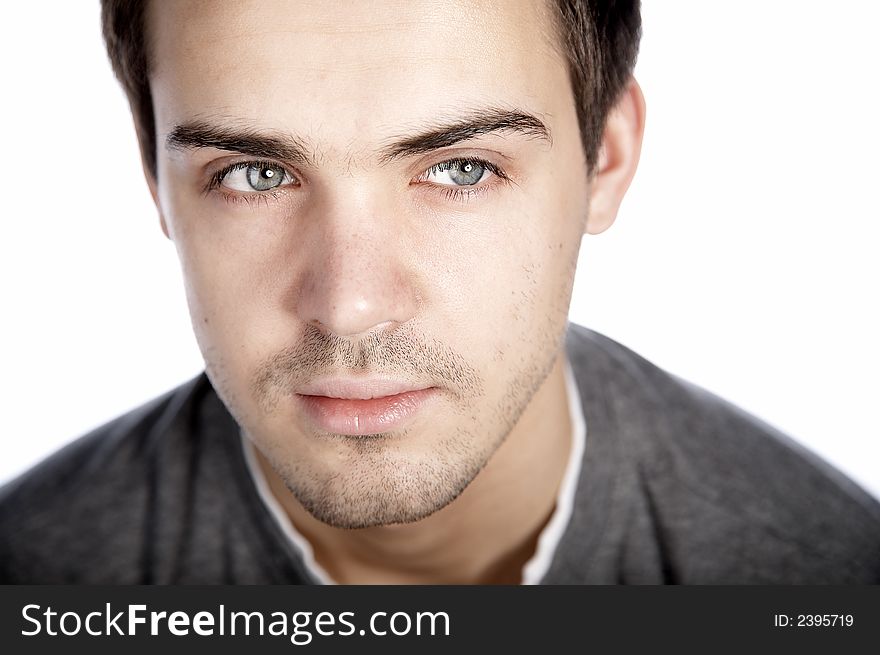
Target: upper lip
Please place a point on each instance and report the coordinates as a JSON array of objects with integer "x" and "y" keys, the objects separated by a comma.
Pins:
[{"x": 359, "y": 388}]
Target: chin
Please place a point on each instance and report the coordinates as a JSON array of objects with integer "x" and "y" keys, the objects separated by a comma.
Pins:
[{"x": 381, "y": 487}]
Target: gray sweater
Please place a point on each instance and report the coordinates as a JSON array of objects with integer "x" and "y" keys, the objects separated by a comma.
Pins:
[{"x": 676, "y": 486}]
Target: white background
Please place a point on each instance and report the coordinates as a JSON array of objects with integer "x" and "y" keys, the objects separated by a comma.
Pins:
[{"x": 744, "y": 257}]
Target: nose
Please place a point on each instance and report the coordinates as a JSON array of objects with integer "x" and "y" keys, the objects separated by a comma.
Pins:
[{"x": 356, "y": 277}]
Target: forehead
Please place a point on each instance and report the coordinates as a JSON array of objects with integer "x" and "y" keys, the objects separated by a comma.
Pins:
[{"x": 356, "y": 69}]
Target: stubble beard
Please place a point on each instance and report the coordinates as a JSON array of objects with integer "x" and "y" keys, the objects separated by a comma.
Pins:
[{"x": 379, "y": 484}]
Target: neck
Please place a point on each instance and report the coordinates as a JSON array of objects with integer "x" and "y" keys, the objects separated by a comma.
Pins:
[{"x": 485, "y": 535}]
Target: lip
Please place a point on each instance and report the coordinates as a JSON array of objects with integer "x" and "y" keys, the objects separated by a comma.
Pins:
[
  {"x": 360, "y": 407},
  {"x": 358, "y": 389}
]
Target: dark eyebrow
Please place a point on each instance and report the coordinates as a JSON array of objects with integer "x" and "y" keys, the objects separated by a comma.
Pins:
[
  {"x": 477, "y": 123},
  {"x": 240, "y": 137},
  {"x": 246, "y": 140}
]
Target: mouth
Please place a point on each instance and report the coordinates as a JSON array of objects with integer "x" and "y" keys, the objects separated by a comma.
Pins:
[{"x": 362, "y": 407}]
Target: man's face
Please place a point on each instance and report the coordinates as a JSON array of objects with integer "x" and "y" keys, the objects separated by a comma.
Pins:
[{"x": 408, "y": 231}]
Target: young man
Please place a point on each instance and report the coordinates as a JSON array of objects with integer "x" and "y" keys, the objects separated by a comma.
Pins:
[{"x": 378, "y": 209}]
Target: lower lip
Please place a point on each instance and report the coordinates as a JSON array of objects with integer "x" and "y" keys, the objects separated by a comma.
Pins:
[{"x": 360, "y": 417}]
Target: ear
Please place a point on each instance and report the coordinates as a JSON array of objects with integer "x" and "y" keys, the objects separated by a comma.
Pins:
[
  {"x": 152, "y": 184},
  {"x": 618, "y": 157}
]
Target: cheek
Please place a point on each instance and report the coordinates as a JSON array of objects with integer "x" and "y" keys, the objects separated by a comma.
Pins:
[
  {"x": 223, "y": 266},
  {"x": 509, "y": 288}
]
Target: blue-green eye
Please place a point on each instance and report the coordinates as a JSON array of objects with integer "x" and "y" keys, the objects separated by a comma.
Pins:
[
  {"x": 458, "y": 172},
  {"x": 254, "y": 176}
]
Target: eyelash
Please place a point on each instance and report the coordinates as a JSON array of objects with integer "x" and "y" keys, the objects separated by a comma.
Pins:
[
  {"x": 453, "y": 193},
  {"x": 216, "y": 183},
  {"x": 465, "y": 193}
]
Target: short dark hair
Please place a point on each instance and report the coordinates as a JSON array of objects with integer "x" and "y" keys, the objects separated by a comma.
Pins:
[{"x": 600, "y": 40}]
